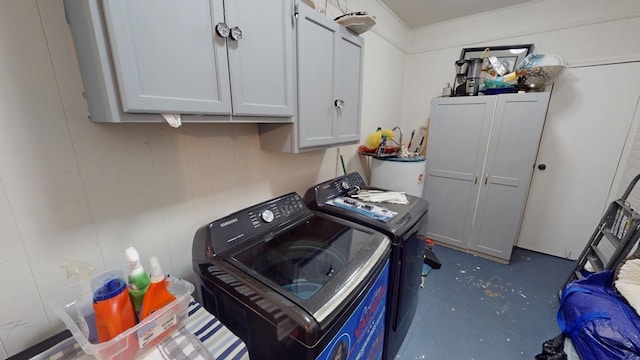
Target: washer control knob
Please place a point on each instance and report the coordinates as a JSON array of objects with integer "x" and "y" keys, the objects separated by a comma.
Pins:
[
  {"x": 267, "y": 216},
  {"x": 345, "y": 185}
]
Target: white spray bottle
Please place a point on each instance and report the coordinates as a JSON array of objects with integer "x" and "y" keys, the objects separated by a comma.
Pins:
[{"x": 86, "y": 317}]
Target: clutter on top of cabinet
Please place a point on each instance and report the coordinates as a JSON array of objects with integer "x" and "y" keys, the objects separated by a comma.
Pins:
[
  {"x": 537, "y": 71},
  {"x": 504, "y": 69},
  {"x": 488, "y": 70}
]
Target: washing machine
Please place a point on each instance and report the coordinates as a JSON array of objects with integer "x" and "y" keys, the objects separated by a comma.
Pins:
[
  {"x": 406, "y": 227},
  {"x": 293, "y": 283}
]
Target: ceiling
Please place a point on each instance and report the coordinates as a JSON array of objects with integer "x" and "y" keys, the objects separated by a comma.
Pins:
[{"x": 419, "y": 13}]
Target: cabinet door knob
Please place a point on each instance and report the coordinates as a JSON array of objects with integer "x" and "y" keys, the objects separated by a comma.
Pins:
[
  {"x": 236, "y": 33},
  {"x": 222, "y": 29},
  {"x": 542, "y": 166},
  {"x": 339, "y": 103}
]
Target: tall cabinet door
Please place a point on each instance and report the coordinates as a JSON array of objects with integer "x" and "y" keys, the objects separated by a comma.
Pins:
[
  {"x": 164, "y": 68},
  {"x": 457, "y": 144},
  {"x": 262, "y": 61},
  {"x": 513, "y": 147}
]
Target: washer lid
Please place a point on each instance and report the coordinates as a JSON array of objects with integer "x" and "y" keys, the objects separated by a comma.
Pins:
[{"x": 317, "y": 264}]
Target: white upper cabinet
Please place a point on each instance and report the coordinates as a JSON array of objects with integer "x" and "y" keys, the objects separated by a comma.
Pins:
[
  {"x": 201, "y": 57},
  {"x": 167, "y": 57},
  {"x": 329, "y": 81},
  {"x": 329, "y": 62}
]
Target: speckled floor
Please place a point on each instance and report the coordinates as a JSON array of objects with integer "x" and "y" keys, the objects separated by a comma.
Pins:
[{"x": 474, "y": 308}]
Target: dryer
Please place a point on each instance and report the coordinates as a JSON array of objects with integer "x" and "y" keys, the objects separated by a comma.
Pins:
[
  {"x": 407, "y": 230},
  {"x": 293, "y": 283}
]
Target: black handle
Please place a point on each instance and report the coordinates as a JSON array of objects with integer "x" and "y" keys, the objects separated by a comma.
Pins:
[{"x": 542, "y": 166}]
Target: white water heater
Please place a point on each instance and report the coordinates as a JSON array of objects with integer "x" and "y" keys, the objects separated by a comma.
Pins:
[{"x": 399, "y": 174}]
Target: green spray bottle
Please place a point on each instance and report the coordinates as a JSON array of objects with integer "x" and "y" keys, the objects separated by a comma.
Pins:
[
  {"x": 85, "y": 316},
  {"x": 138, "y": 279}
]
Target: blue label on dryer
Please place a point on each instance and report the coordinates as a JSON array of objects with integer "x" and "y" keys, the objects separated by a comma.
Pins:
[{"x": 362, "y": 336}]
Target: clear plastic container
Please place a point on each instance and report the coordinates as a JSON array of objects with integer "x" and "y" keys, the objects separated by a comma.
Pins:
[{"x": 137, "y": 340}]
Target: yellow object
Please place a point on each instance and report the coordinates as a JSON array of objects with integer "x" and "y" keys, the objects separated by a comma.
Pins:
[
  {"x": 509, "y": 77},
  {"x": 373, "y": 141},
  {"x": 423, "y": 151}
]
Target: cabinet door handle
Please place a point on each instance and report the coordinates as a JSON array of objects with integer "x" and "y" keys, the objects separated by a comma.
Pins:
[
  {"x": 236, "y": 33},
  {"x": 294, "y": 11},
  {"x": 486, "y": 177},
  {"x": 339, "y": 103},
  {"x": 222, "y": 30},
  {"x": 475, "y": 181}
]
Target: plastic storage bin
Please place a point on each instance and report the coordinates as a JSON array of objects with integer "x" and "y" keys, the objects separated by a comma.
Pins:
[{"x": 137, "y": 340}]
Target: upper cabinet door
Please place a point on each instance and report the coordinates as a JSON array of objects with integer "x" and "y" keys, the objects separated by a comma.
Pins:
[
  {"x": 262, "y": 58},
  {"x": 349, "y": 60},
  {"x": 167, "y": 56},
  {"x": 330, "y": 62},
  {"x": 316, "y": 77}
]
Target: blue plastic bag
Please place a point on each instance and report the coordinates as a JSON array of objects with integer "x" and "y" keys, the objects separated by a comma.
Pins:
[{"x": 601, "y": 324}]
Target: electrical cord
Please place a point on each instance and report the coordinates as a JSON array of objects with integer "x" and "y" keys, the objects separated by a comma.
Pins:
[{"x": 346, "y": 6}]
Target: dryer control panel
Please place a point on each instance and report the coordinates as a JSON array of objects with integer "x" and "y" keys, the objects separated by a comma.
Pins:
[
  {"x": 334, "y": 188},
  {"x": 260, "y": 220}
]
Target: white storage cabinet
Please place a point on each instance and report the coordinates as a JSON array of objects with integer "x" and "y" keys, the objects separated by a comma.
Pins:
[
  {"x": 480, "y": 156},
  {"x": 329, "y": 61},
  {"x": 233, "y": 58}
]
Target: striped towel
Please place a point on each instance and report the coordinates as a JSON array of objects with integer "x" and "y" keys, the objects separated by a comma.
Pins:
[
  {"x": 220, "y": 341},
  {"x": 181, "y": 345}
]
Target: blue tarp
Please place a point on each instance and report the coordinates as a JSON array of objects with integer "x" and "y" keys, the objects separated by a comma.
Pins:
[{"x": 600, "y": 322}]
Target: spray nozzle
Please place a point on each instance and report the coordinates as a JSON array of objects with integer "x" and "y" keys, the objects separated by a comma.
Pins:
[
  {"x": 132, "y": 257},
  {"x": 80, "y": 269},
  {"x": 156, "y": 271}
]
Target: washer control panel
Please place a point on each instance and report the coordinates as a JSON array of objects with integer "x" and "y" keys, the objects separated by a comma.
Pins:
[
  {"x": 277, "y": 210},
  {"x": 258, "y": 220}
]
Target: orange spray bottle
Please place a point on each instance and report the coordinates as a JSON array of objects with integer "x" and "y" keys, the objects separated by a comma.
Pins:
[{"x": 157, "y": 295}]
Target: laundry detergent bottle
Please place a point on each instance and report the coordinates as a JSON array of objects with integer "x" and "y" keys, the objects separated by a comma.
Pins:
[
  {"x": 85, "y": 316},
  {"x": 157, "y": 295},
  {"x": 111, "y": 303},
  {"x": 138, "y": 279}
]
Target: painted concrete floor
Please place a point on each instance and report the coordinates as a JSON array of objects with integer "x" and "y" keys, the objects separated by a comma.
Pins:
[{"x": 474, "y": 308}]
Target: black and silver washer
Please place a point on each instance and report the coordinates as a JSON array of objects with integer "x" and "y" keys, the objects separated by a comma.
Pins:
[
  {"x": 293, "y": 283},
  {"x": 407, "y": 231}
]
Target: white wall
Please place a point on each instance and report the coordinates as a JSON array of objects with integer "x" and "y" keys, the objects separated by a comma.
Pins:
[
  {"x": 581, "y": 31},
  {"x": 72, "y": 189},
  {"x": 589, "y": 35}
]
